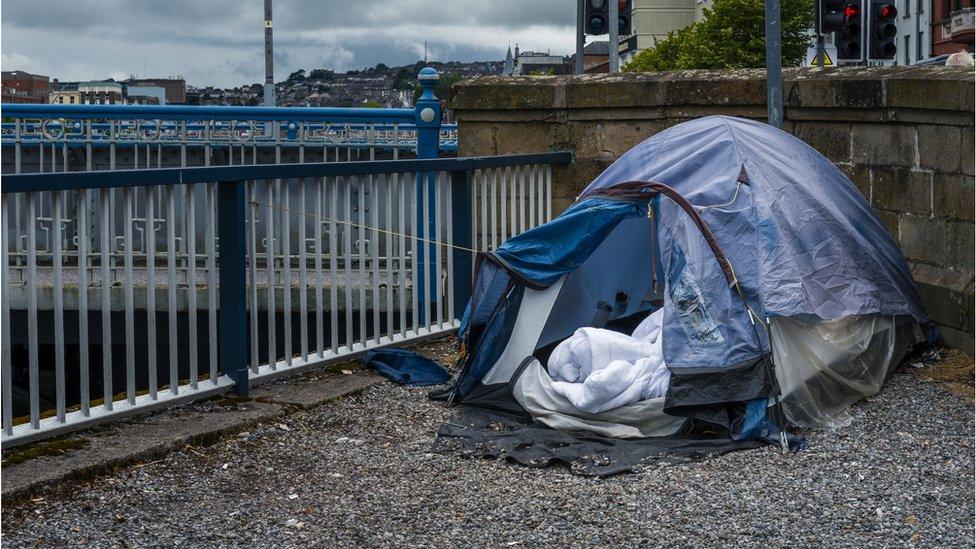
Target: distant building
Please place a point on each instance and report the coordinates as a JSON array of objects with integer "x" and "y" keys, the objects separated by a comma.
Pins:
[
  {"x": 508, "y": 68},
  {"x": 533, "y": 62},
  {"x": 913, "y": 38},
  {"x": 193, "y": 97},
  {"x": 93, "y": 92},
  {"x": 24, "y": 87},
  {"x": 596, "y": 57},
  {"x": 652, "y": 20},
  {"x": 144, "y": 95},
  {"x": 175, "y": 87},
  {"x": 952, "y": 26}
]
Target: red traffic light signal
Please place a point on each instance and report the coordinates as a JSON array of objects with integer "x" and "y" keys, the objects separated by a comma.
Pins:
[
  {"x": 882, "y": 30},
  {"x": 850, "y": 10}
]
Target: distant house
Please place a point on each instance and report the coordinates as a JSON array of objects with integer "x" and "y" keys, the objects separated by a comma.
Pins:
[
  {"x": 24, "y": 87},
  {"x": 93, "y": 92},
  {"x": 596, "y": 57},
  {"x": 533, "y": 62},
  {"x": 175, "y": 87}
]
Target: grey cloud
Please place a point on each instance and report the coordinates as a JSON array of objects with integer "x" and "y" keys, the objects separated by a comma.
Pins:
[{"x": 220, "y": 41}]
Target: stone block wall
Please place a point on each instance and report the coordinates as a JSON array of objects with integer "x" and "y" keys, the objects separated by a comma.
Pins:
[{"x": 904, "y": 136}]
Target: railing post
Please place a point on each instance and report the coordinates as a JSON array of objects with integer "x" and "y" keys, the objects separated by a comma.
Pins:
[
  {"x": 232, "y": 343},
  {"x": 427, "y": 117},
  {"x": 462, "y": 222}
]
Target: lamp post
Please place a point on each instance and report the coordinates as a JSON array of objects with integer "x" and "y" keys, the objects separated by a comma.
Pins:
[{"x": 774, "y": 65}]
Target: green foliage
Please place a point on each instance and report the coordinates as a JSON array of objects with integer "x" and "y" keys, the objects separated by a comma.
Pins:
[
  {"x": 297, "y": 76},
  {"x": 442, "y": 89},
  {"x": 321, "y": 74},
  {"x": 403, "y": 79},
  {"x": 730, "y": 35},
  {"x": 372, "y": 105}
]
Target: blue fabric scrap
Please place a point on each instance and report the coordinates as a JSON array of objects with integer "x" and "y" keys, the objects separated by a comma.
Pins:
[{"x": 406, "y": 367}]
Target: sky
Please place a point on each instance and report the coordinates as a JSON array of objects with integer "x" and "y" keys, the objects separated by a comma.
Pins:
[{"x": 221, "y": 42}]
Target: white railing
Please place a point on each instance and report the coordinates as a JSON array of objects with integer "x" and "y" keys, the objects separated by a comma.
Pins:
[{"x": 112, "y": 285}]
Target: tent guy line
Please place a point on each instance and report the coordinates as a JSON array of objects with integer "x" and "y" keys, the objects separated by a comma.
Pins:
[{"x": 367, "y": 227}]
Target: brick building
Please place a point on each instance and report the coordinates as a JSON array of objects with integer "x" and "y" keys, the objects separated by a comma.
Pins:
[
  {"x": 24, "y": 87},
  {"x": 952, "y": 26}
]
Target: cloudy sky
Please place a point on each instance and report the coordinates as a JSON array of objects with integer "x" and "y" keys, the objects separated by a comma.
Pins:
[{"x": 220, "y": 42}]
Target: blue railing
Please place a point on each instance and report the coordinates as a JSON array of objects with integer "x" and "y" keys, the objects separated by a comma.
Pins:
[
  {"x": 178, "y": 283},
  {"x": 56, "y": 137}
]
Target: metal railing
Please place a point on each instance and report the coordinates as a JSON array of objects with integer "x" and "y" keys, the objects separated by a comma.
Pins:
[
  {"x": 129, "y": 290},
  {"x": 57, "y": 138}
]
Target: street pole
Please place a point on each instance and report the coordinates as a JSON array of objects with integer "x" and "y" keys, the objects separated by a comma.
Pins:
[
  {"x": 580, "y": 37},
  {"x": 614, "y": 23},
  {"x": 820, "y": 51},
  {"x": 269, "y": 91},
  {"x": 774, "y": 65}
]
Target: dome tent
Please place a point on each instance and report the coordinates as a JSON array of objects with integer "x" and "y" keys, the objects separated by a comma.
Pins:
[{"x": 776, "y": 277}]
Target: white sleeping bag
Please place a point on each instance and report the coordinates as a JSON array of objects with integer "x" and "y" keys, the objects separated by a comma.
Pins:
[{"x": 598, "y": 370}]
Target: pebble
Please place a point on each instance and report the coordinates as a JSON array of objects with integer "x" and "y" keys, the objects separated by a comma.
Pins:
[{"x": 900, "y": 474}]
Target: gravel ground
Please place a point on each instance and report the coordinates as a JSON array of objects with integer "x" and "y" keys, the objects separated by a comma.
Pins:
[{"x": 361, "y": 472}]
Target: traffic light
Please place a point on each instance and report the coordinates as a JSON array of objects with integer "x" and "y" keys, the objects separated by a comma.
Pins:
[
  {"x": 829, "y": 16},
  {"x": 623, "y": 13},
  {"x": 597, "y": 13},
  {"x": 881, "y": 30},
  {"x": 849, "y": 38},
  {"x": 595, "y": 17}
]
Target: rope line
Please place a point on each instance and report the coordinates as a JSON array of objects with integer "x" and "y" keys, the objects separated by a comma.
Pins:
[{"x": 367, "y": 227}]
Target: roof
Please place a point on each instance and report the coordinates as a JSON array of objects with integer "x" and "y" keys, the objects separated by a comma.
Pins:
[{"x": 597, "y": 48}]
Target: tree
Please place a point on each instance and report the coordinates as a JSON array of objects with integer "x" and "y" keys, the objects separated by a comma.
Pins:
[
  {"x": 442, "y": 89},
  {"x": 320, "y": 74},
  {"x": 730, "y": 35},
  {"x": 297, "y": 76}
]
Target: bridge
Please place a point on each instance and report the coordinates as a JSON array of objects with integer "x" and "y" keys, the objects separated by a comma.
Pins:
[{"x": 157, "y": 254}]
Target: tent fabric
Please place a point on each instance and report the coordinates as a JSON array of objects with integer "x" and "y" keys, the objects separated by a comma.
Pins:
[
  {"x": 491, "y": 342},
  {"x": 808, "y": 243},
  {"x": 742, "y": 224},
  {"x": 543, "y": 254},
  {"x": 406, "y": 367}
]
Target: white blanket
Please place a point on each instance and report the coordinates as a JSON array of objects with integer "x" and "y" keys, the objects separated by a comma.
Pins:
[{"x": 598, "y": 370}]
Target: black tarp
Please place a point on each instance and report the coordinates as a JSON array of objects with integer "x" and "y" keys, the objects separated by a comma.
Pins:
[{"x": 475, "y": 432}]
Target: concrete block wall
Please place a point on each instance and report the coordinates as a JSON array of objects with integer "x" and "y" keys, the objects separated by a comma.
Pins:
[{"x": 904, "y": 135}]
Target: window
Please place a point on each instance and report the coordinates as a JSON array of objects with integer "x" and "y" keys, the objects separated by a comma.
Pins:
[
  {"x": 908, "y": 44},
  {"x": 906, "y": 10},
  {"x": 919, "y": 49}
]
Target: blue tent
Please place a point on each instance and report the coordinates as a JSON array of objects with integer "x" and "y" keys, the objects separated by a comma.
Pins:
[{"x": 779, "y": 283}]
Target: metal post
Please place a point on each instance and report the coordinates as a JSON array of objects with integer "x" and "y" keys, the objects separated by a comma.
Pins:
[
  {"x": 580, "y": 36},
  {"x": 613, "y": 21},
  {"x": 269, "y": 91},
  {"x": 232, "y": 342},
  {"x": 461, "y": 225},
  {"x": 820, "y": 51},
  {"x": 428, "y": 121},
  {"x": 774, "y": 65}
]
